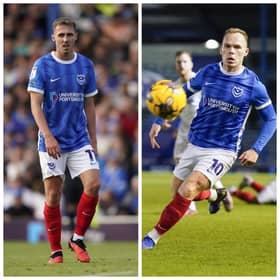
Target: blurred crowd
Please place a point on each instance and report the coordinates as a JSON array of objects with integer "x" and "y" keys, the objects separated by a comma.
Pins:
[{"x": 108, "y": 35}]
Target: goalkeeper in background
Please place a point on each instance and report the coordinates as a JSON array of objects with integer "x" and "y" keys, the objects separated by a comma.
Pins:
[
  {"x": 229, "y": 91},
  {"x": 184, "y": 66}
]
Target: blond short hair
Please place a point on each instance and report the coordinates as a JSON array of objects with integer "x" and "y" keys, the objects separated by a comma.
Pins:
[{"x": 237, "y": 30}]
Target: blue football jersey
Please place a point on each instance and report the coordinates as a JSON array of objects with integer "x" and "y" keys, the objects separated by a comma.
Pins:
[
  {"x": 64, "y": 86},
  {"x": 225, "y": 105}
]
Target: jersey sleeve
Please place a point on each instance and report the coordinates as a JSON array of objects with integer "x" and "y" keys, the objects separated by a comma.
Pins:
[
  {"x": 91, "y": 85},
  {"x": 268, "y": 128},
  {"x": 260, "y": 97},
  {"x": 158, "y": 121},
  {"x": 195, "y": 84},
  {"x": 262, "y": 103},
  {"x": 36, "y": 78}
]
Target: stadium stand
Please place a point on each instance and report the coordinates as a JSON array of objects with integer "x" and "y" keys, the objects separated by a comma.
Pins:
[{"x": 107, "y": 35}]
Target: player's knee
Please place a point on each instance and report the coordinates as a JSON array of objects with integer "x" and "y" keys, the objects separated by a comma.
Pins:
[
  {"x": 176, "y": 183},
  {"x": 92, "y": 187},
  {"x": 192, "y": 187},
  {"x": 199, "y": 180},
  {"x": 188, "y": 190},
  {"x": 53, "y": 198}
]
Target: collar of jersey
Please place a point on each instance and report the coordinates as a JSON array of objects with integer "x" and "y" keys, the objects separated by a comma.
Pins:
[
  {"x": 228, "y": 73},
  {"x": 64, "y": 61}
]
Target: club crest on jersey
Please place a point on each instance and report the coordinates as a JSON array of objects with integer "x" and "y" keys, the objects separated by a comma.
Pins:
[
  {"x": 81, "y": 79},
  {"x": 237, "y": 91},
  {"x": 53, "y": 96}
]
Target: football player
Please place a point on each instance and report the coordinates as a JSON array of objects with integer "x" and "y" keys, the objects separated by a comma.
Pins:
[
  {"x": 62, "y": 86},
  {"x": 229, "y": 90},
  {"x": 184, "y": 66}
]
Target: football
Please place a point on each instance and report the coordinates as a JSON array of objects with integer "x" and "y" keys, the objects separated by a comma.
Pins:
[{"x": 166, "y": 99}]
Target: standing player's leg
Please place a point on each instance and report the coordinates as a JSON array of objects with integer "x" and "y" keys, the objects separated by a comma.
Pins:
[
  {"x": 85, "y": 212},
  {"x": 83, "y": 163},
  {"x": 52, "y": 172},
  {"x": 52, "y": 215}
]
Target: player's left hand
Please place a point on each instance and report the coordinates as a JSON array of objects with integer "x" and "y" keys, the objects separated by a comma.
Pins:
[{"x": 249, "y": 157}]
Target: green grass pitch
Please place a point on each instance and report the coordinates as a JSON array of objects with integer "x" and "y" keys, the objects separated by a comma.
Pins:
[
  {"x": 109, "y": 259},
  {"x": 239, "y": 243}
]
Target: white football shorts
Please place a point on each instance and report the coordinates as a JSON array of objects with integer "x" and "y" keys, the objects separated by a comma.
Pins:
[
  {"x": 186, "y": 116},
  {"x": 77, "y": 162},
  {"x": 213, "y": 163},
  {"x": 181, "y": 143},
  {"x": 268, "y": 195}
]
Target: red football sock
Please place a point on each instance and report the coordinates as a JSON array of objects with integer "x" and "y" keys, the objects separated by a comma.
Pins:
[
  {"x": 172, "y": 213},
  {"x": 203, "y": 195},
  {"x": 53, "y": 226},
  {"x": 244, "y": 195},
  {"x": 85, "y": 212},
  {"x": 257, "y": 187}
]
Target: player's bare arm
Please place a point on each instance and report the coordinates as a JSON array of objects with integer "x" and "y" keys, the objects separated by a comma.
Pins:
[
  {"x": 91, "y": 119},
  {"x": 52, "y": 146},
  {"x": 154, "y": 131},
  {"x": 248, "y": 157},
  {"x": 166, "y": 124}
]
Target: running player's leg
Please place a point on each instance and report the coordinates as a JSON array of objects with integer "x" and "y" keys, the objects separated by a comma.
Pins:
[
  {"x": 201, "y": 168},
  {"x": 227, "y": 201},
  {"x": 176, "y": 182},
  {"x": 174, "y": 211}
]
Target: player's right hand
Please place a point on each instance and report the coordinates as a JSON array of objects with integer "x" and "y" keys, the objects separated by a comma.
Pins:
[
  {"x": 154, "y": 131},
  {"x": 52, "y": 147}
]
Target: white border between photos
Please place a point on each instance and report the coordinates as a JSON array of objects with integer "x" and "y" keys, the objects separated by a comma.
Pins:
[{"x": 140, "y": 2}]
